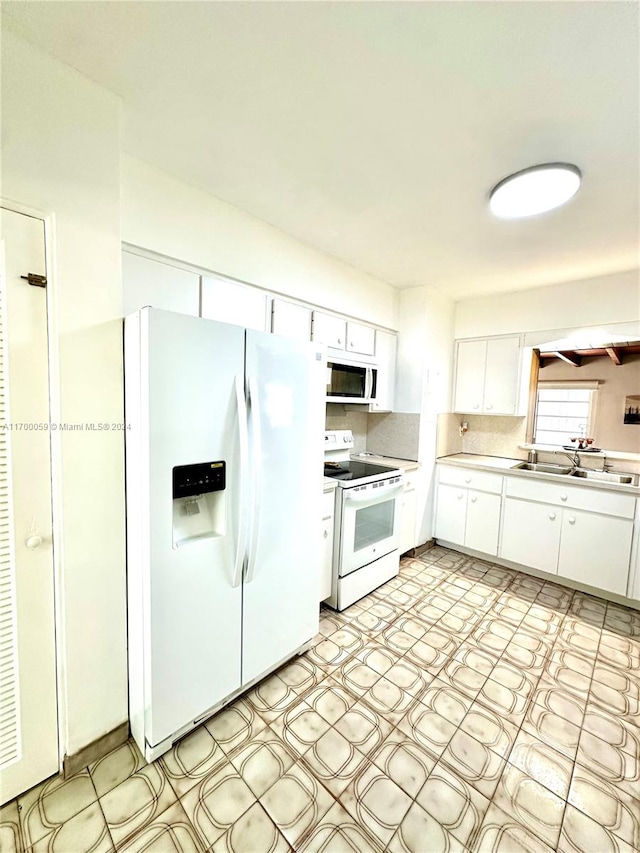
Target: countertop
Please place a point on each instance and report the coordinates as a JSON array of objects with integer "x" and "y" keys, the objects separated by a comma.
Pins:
[
  {"x": 392, "y": 462},
  {"x": 503, "y": 464}
]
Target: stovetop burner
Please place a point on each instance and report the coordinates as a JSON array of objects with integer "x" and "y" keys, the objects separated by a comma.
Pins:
[{"x": 354, "y": 470}]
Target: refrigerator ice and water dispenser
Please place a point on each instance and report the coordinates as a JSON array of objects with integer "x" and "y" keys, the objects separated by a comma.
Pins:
[{"x": 199, "y": 502}]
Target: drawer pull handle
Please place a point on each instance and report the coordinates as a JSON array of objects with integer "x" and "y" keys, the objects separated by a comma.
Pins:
[
  {"x": 572, "y": 519},
  {"x": 490, "y": 406},
  {"x": 460, "y": 495},
  {"x": 326, "y": 533},
  {"x": 474, "y": 499},
  {"x": 467, "y": 479},
  {"x": 476, "y": 406},
  {"x": 563, "y": 496},
  {"x": 552, "y": 516}
]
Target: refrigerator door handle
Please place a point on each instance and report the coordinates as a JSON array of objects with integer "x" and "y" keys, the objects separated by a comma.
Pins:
[
  {"x": 256, "y": 471},
  {"x": 243, "y": 436}
]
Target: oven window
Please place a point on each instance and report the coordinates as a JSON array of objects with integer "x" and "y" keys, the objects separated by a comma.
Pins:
[
  {"x": 346, "y": 381},
  {"x": 373, "y": 524}
]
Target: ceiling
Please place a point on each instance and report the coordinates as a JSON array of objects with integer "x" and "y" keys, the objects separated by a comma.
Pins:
[
  {"x": 617, "y": 352},
  {"x": 374, "y": 131}
]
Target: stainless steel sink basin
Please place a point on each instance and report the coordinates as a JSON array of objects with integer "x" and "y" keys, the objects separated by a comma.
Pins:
[
  {"x": 608, "y": 477},
  {"x": 544, "y": 468}
]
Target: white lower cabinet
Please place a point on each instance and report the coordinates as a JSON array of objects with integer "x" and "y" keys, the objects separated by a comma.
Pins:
[
  {"x": 407, "y": 539},
  {"x": 531, "y": 534},
  {"x": 579, "y": 533},
  {"x": 451, "y": 514},
  {"x": 326, "y": 572},
  {"x": 468, "y": 517},
  {"x": 483, "y": 522},
  {"x": 595, "y": 549}
]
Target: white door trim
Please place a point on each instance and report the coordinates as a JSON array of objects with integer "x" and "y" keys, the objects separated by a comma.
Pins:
[{"x": 49, "y": 221}]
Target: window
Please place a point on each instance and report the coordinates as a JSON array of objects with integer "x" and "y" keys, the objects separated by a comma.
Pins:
[{"x": 564, "y": 410}]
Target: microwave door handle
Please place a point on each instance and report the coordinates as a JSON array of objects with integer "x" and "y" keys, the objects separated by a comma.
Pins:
[
  {"x": 375, "y": 498},
  {"x": 368, "y": 385}
]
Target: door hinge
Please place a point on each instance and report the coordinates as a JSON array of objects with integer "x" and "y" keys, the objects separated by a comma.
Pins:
[{"x": 35, "y": 280}]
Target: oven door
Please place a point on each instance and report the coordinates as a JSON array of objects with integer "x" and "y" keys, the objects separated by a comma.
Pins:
[{"x": 369, "y": 524}]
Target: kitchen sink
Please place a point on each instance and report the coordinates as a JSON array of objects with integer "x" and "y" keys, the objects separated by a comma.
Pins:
[
  {"x": 608, "y": 477},
  {"x": 544, "y": 468}
]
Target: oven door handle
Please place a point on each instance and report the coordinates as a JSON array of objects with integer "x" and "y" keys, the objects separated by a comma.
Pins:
[{"x": 372, "y": 497}]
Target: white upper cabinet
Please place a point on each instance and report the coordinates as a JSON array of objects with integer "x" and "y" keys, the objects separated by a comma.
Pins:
[
  {"x": 230, "y": 302},
  {"x": 147, "y": 282},
  {"x": 337, "y": 333},
  {"x": 501, "y": 376},
  {"x": 290, "y": 320},
  {"x": 487, "y": 376},
  {"x": 329, "y": 330},
  {"x": 360, "y": 339},
  {"x": 471, "y": 359},
  {"x": 386, "y": 344}
]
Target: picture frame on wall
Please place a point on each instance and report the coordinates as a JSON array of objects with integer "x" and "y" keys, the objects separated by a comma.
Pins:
[{"x": 632, "y": 409}]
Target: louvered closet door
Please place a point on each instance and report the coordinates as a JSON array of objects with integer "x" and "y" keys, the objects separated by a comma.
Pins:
[{"x": 28, "y": 708}]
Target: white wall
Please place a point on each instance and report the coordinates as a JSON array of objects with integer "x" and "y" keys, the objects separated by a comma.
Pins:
[
  {"x": 423, "y": 382},
  {"x": 60, "y": 155},
  {"x": 596, "y": 302},
  {"x": 425, "y": 352},
  {"x": 162, "y": 214}
]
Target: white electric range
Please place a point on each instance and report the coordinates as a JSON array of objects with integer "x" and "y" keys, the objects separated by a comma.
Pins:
[{"x": 367, "y": 521}]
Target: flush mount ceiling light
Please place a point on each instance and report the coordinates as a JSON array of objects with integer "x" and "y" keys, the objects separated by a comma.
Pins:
[{"x": 535, "y": 190}]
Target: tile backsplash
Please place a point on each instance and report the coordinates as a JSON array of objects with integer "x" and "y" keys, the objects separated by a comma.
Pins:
[
  {"x": 486, "y": 434},
  {"x": 337, "y": 417},
  {"x": 394, "y": 434},
  {"x": 388, "y": 434},
  {"x": 494, "y": 435}
]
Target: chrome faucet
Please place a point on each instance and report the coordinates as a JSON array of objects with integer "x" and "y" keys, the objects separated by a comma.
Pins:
[{"x": 574, "y": 458}]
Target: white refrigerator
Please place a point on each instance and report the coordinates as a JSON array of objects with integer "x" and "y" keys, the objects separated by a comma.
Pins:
[{"x": 224, "y": 485}]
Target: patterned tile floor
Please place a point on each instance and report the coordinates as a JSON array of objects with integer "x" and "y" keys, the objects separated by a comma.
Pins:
[{"x": 460, "y": 707}]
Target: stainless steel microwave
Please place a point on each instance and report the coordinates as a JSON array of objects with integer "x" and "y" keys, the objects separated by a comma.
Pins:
[{"x": 351, "y": 382}]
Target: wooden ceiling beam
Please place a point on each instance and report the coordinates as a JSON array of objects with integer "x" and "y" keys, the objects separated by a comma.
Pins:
[
  {"x": 570, "y": 357},
  {"x": 614, "y": 354}
]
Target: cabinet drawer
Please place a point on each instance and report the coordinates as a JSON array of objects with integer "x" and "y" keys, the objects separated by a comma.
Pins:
[
  {"x": 561, "y": 494},
  {"x": 328, "y": 503},
  {"x": 483, "y": 481}
]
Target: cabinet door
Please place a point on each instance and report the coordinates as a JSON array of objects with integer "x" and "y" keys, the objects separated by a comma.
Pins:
[
  {"x": 470, "y": 366},
  {"x": 328, "y": 330},
  {"x": 326, "y": 574},
  {"x": 595, "y": 549},
  {"x": 386, "y": 358},
  {"x": 326, "y": 568},
  {"x": 407, "y": 521},
  {"x": 483, "y": 522},
  {"x": 450, "y": 514},
  {"x": 531, "y": 534},
  {"x": 501, "y": 376},
  {"x": 360, "y": 339},
  {"x": 147, "y": 282},
  {"x": 290, "y": 320},
  {"x": 230, "y": 302}
]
